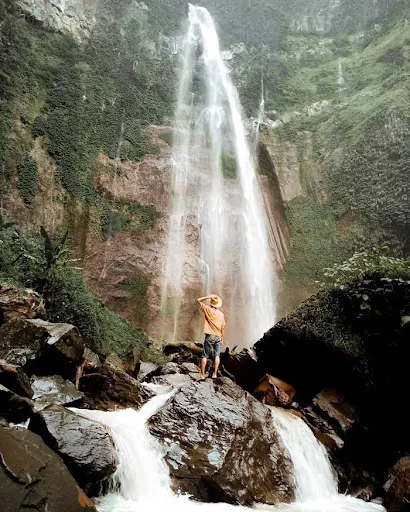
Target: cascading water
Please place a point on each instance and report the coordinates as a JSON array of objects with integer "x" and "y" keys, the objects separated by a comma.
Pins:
[
  {"x": 142, "y": 483},
  {"x": 340, "y": 80},
  {"x": 218, "y": 227}
]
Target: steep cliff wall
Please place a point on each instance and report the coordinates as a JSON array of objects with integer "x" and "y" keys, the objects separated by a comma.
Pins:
[{"x": 83, "y": 83}]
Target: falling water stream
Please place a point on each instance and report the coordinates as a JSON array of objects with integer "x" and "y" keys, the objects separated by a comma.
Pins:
[
  {"x": 142, "y": 482},
  {"x": 218, "y": 239}
]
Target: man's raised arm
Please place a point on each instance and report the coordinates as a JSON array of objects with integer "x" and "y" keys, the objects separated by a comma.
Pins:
[{"x": 200, "y": 300}]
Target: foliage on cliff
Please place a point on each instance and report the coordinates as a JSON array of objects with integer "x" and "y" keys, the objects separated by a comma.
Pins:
[
  {"x": 25, "y": 259},
  {"x": 358, "y": 132}
]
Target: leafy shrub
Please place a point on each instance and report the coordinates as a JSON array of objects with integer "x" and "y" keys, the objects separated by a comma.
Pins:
[{"x": 27, "y": 184}]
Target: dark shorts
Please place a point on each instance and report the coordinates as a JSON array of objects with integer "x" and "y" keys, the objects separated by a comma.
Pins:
[{"x": 211, "y": 342}]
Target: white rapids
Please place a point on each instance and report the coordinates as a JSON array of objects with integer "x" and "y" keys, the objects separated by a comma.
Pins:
[
  {"x": 142, "y": 482},
  {"x": 218, "y": 231}
]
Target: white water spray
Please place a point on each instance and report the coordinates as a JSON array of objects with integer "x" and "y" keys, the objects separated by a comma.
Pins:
[
  {"x": 142, "y": 482},
  {"x": 340, "y": 80},
  {"x": 218, "y": 221}
]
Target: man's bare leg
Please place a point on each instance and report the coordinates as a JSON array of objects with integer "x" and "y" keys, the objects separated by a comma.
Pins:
[
  {"x": 203, "y": 366},
  {"x": 216, "y": 366}
]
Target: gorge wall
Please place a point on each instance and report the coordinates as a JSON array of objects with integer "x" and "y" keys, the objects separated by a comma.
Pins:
[{"x": 88, "y": 95}]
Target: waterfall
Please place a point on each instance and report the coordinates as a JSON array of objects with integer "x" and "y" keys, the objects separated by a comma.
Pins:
[
  {"x": 261, "y": 112},
  {"x": 142, "y": 483},
  {"x": 218, "y": 221},
  {"x": 340, "y": 80}
]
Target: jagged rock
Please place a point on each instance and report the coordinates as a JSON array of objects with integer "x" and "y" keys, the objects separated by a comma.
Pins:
[
  {"x": 333, "y": 405},
  {"x": 188, "y": 350},
  {"x": 189, "y": 368},
  {"x": 14, "y": 378},
  {"x": 176, "y": 380},
  {"x": 170, "y": 368},
  {"x": 111, "y": 387},
  {"x": 132, "y": 363},
  {"x": 218, "y": 441},
  {"x": 85, "y": 446},
  {"x": 54, "y": 391},
  {"x": 33, "y": 477},
  {"x": 243, "y": 367},
  {"x": 145, "y": 370},
  {"x": 14, "y": 408},
  {"x": 19, "y": 303},
  {"x": 273, "y": 391},
  {"x": 397, "y": 486},
  {"x": 91, "y": 358},
  {"x": 42, "y": 347}
]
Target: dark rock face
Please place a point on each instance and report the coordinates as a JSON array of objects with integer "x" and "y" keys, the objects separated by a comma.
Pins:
[
  {"x": 221, "y": 446},
  {"x": 85, "y": 446},
  {"x": 32, "y": 477},
  {"x": 111, "y": 387},
  {"x": 40, "y": 346},
  {"x": 397, "y": 486},
  {"x": 14, "y": 378},
  {"x": 14, "y": 408},
  {"x": 243, "y": 367},
  {"x": 54, "y": 390}
]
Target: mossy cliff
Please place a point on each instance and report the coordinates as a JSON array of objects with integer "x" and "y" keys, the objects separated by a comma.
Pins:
[{"x": 78, "y": 151}]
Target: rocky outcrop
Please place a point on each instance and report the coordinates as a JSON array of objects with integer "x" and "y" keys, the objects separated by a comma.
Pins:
[
  {"x": 110, "y": 387},
  {"x": 74, "y": 16},
  {"x": 54, "y": 390},
  {"x": 219, "y": 441},
  {"x": 19, "y": 303},
  {"x": 38, "y": 346},
  {"x": 85, "y": 446},
  {"x": 32, "y": 477}
]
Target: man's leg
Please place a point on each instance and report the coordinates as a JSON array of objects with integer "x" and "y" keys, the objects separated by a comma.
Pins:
[
  {"x": 216, "y": 366},
  {"x": 217, "y": 350},
  {"x": 203, "y": 366}
]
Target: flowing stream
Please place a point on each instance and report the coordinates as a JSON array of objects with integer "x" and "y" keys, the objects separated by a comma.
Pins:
[
  {"x": 142, "y": 482},
  {"x": 218, "y": 240}
]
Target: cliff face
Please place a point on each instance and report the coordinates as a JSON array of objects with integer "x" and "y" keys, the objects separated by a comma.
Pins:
[{"x": 86, "y": 145}]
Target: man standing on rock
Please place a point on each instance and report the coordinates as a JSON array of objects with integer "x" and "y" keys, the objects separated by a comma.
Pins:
[{"x": 214, "y": 330}]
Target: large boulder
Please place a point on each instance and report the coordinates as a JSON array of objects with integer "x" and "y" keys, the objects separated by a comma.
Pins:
[
  {"x": 85, "y": 445},
  {"x": 33, "y": 477},
  {"x": 42, "y": 347},
  {"x": 14, "y": 378},
  {"x": 110, "y": 387},
  {"x": 221, "y": 445},
  {"x": 19, "y": 303},
  {"x": 54, "y": 390}
]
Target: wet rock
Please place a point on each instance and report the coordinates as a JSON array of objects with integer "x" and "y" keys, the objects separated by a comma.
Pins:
[
  {"x": 275, "y": 392},
  {"x": 14, "y": 408},
  {"x": 14, "y": 378},
  {"x": 110, "y": 387},
  {"x": 333, "y": 406},
  {"x": 397, "y": 486},
  {"x": 146, "y": 369},
  {"x": 176, "y": 380},
  {"x": 218, "y": 441},
  {"x": 243, "y": 367},
  {"x": 187, "y": 351},
  {"x": 55, "y": 391},
  {"x": 33, "y": 477},
  {"x": 39, "y": 346},
  {"x": 189, "y": 368},
  {"x": 170, "y": 368},
  {"x": 85, "y": 446},
  {"x": 19, "y": 303}
]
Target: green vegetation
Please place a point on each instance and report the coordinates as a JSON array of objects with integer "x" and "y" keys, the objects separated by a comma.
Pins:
[
  {"x": 138, "y": 289},
  {"x": 45, "y": 266},
  {"x": 132, "y": 218},
  {"x": 27, "y": 180}
]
